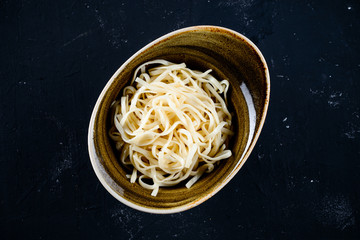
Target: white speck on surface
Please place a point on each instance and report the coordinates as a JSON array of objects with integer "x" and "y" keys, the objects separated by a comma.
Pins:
[
  {"x": 287, "y": 126},
  {"x": 286, "y": 60},
  {"x": 291, "y": 183},
  {"x": 349, "y": 8},
  {"x": 352, "y": 130},
  {"x": 333, "y": 104},
  {"x": 311, "y": 181},
  {"x": 62, "y": 160},
  {"x": 311, "y": 7},
  {"x": 100, "y": 20},
  {"x": 124, "y": 216},
  {"x": 336, "y": 65},
  {"x": 180, "y": 24},
  {"x": 237, "y": 3},
  {"x": 284, "y": 120},
  {"x": 84, "y": 34},
  {"x": 314, "y": 92},
  {"x": 333, "y": 95},
  {"x": 335, "y": 99},
  {"x": 336, "y": 211},
  {"x": 280, "y": 76}
]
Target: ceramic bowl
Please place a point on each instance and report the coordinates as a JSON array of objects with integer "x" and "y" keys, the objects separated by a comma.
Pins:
[{"x": 231, "y": 56}]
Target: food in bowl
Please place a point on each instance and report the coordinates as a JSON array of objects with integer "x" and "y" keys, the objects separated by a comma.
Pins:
[
  {"x": 171, "y": 124},
  {"x": 231, "y": 56}
]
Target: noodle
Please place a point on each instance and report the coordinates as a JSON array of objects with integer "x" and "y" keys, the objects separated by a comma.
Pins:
[{"x": 171, "y": 125}]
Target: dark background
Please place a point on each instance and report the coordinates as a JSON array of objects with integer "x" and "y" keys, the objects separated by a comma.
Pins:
[{"x": 300, "y": 182}]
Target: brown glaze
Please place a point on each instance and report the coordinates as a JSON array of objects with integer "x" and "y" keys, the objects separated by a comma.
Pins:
[{"x": 205, "y": 47}]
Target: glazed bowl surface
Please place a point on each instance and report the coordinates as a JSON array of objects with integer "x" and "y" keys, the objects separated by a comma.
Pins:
[{"x": 231, "y": 56}]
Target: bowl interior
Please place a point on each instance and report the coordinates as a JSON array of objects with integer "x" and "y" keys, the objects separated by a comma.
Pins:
[{"x": 230, "y": 57}]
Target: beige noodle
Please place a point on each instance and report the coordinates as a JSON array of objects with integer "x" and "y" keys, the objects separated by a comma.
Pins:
[{"x": 171, "y": 124}]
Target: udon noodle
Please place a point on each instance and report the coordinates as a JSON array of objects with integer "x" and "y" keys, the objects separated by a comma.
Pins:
[{"x": 171, "y": 124}]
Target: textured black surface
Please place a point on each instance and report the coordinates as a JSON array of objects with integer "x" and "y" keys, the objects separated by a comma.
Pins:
[{"x": 300, "y": 182}]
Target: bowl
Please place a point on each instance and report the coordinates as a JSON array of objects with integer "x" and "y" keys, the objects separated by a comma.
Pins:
[{"x": 231, "y": 56}]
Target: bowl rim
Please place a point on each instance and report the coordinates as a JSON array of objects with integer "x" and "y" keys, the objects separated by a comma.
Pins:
[{"x": 91, "y": 147}]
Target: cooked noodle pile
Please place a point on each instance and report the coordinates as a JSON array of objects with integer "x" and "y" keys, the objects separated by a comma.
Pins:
[{"x": 171, "y": 124}]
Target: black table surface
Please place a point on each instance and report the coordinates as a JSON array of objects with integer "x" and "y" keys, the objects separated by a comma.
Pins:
[{"x": 301, "y": 180}]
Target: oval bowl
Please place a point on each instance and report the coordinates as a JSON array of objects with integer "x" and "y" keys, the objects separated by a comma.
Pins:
[{"x": 231, "y": 56}]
